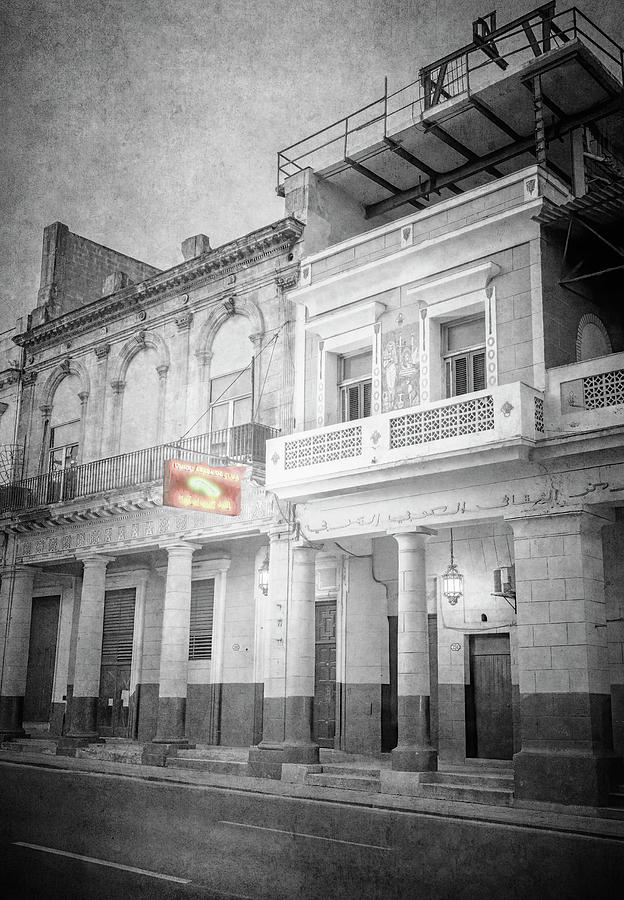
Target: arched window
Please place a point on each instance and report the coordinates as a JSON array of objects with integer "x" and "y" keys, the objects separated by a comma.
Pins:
[
  {"x": 592, "y": 338},
  {"x": 65, "y": 425},
  {"x": 140, "y": 405},
  {"x": 231, "y": 382}
]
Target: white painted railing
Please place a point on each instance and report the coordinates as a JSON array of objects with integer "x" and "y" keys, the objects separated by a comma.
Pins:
[
  {"x": 506, "y": 414},
  {"x": 585, "y": 396}
]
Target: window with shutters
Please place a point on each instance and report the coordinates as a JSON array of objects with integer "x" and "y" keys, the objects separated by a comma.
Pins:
[
  {"x": 202, "y": 608},
  {"x": 118, "y": 630},
  {"x": 464, "y": 356},
  {"x": 355, "y": 373}
]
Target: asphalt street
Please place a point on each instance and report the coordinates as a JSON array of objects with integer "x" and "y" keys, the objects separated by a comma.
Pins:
[{"x": 92, "y": 835}]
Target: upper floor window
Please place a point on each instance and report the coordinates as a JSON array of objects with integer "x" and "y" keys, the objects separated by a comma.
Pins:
[
  {"x": 464, "y": 356},
  {"x": 64, "y": 445},
  {"x": 355, "y": 385}
]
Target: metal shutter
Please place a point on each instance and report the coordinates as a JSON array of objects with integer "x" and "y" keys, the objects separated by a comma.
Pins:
[
  {"x": 478, "y": 371},
  {"x": 202, "y": 608},
  {"x": 118, "y": 629}
]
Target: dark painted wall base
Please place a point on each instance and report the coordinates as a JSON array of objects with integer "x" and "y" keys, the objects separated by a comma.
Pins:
[
  {"x": 569, "y": 777},
  {"x": 171, "y": 720},
  {"x": 414, "y": 759},
  {"x": 11, "y": 713},
  {"x": 617, "y": 714},
  {"x": 147, "y": 712},
  {"x": 57, "y": 718}
]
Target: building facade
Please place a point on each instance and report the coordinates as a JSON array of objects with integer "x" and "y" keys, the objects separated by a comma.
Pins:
[{"x": 425, "y": 359}]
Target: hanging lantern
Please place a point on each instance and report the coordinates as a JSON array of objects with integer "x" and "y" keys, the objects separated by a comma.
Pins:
[
  {"x": 263, "y": 575},
  {"x": 452, "y": 580}
]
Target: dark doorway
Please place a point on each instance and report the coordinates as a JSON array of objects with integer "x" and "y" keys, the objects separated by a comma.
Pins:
[
  {"x": 117, "y": 638},
  {"x": 324, "y": 714},
  {"x": 41, "y": 658},
  {"x": 489, "y": 725}
]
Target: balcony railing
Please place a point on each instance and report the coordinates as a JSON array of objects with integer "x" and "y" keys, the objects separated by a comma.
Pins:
[
  {"x": 585, "y": 396},
  {"x": 240, "y": 444},
  {"x": 505, "y": 415}
]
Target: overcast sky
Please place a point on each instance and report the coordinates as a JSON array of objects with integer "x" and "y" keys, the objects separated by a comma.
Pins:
[{"x": 140, "y": 122}]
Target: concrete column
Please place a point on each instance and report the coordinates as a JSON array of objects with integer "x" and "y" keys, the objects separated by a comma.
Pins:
[
  {"x": 15, "y": 612},
  {"x": 173, "y": 677},
  {"x": 565, "y": 704},
  {"x": 84, "y": 702},
  {"x": 413, "y": 752},
  {"x": 265, "y": 759},
  {"x": 300, "y": 647}
]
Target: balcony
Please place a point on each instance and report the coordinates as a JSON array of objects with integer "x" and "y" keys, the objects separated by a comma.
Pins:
[
  {"x": 487, "y": 427},
  {"x": 585, "y": 396},
  {"x": 242, "y": 444}
]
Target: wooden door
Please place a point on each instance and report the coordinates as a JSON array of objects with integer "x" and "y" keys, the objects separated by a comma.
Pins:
[
  {"x": 324, "y": 711},
  {"x": 489, "y": 725},
  {"x": 117, "y": 638},
  {"x": 41, "y": 659}
]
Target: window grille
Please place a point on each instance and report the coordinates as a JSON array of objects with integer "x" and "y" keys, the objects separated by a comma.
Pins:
[
  {"x": 202, "y": 611},
  {"x": 605, "y": 389},
  {"x": 118, "y": 631}
]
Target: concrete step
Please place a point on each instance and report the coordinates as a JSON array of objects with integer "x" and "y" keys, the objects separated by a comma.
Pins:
[
  {"x": 234, "y": 754},
  {"x": 29, "y": 745},
  {"x": 346, "y": 782},
  {"x": 363, "y": 771},
  {"x": 214, "y": 766},
  {"x": 469, "y": 779},
  {"x": 122, "y": 753},
  {"x": 466, "y": 793}
]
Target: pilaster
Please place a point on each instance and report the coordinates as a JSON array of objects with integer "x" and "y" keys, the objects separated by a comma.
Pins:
[{"x": 15, "y": 613}]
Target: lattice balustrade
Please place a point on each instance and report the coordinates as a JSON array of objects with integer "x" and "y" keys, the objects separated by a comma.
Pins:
[
  {"x": 324, "y": 447},
  {"x": 539, "y": 415},
  {"x": 604, "y": 389},
  {"x": 467, "y": 417}
]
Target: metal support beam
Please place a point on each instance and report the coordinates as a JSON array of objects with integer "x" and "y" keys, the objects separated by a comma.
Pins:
[
  {"x": 489, "y": 114},
  {"x": 378, "y": 179},
  {"x": 565, "y": 281},
  {"x": 510, "y": 151},
  {"x": 418, "y": 164},
  {"x": 538, "y": 109}
]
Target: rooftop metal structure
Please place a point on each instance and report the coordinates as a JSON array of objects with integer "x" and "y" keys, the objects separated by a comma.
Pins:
[{"x": 535, "y": 89}]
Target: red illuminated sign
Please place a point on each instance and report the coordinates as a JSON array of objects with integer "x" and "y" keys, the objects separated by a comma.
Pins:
[{"x": 192, "y": 485}]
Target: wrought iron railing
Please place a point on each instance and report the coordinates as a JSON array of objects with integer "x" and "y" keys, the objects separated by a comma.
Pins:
[{"x": 240, "y": 444}]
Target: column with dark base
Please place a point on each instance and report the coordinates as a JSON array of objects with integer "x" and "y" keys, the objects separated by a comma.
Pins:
[
  {"x": 84, "y": 702},
  {"x": 413, "y": 752},
  {"x": 565, "y": 704},
  {"x": 300, "y": 647},
  {"x": 174, "y": 653},
  {"x": 15, "y": 611}
]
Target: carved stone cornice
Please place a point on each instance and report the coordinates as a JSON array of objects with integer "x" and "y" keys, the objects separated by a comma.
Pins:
[{"x": 223, "y": 261}]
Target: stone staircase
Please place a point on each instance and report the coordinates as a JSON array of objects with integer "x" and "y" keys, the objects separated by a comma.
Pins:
[
  {"x": 30, "y": 745},
  {"x": 469, "y": 784}
]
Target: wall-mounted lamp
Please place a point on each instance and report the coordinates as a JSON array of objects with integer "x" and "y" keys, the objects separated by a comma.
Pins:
[
  {"x": 452, "y": 580},
  {"x": 263, "y": 575}
]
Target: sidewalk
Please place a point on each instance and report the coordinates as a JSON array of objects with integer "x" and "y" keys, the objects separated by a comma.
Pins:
[{"x": 601, "y": 823}]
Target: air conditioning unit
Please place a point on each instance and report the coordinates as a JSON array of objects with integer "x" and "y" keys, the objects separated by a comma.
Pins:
[{"x": 505, "y": 585}]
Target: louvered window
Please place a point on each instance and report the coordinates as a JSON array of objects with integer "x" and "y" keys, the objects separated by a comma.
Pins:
[
  {"x": 465, "y": 356},
  {"x": 355, "y": 386},
  {"x": 118, "y": 629},
  {"x": 202, "y": 607}
]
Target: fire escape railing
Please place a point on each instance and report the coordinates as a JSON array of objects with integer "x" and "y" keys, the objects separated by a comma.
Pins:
[
  {"x": 536, "y": 32},
  {"x": 240, "y": 444}
]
